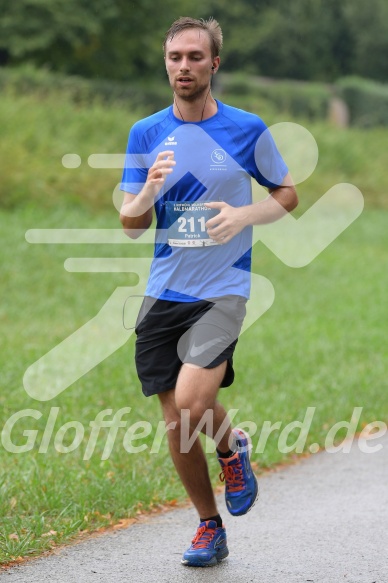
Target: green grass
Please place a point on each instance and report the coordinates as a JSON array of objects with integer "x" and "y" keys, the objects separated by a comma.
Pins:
[
  {"x": 320, "y": 345},
  {"x": 36, "y": 133}
]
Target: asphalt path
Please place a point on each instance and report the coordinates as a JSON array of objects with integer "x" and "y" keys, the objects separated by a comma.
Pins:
[{"x": 322, "y": 520}]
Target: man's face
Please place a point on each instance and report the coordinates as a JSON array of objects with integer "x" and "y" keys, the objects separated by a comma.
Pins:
[{"x": 189, "y": 63}]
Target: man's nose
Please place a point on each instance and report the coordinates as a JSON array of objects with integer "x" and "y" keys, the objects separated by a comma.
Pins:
[{"x": 185, "y": 65}]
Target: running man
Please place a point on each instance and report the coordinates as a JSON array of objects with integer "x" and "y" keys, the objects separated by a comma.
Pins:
[{"x": 193, "y": 163}]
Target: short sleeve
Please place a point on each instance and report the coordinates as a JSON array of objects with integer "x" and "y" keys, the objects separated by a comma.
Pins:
[
  {"x": 266, "y": 164},
  {"x": 135, "y": 168},
  {"x": 262, "y": 159}
]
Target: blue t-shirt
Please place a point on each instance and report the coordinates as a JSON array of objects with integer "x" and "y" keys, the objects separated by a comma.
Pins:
[{"x": 215, "y": 161}]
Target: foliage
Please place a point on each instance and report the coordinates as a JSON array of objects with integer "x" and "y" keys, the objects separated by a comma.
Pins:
[
  {"x": 367, "y": 101},
  {"x": 284, "y": 39},
  {"x": 37, "y": 131},
  {"x": 316, "y": 40},
  {"x": 116, "y": 39},
  {"x": 298, "y": 99},
  {"x": 62, "y": 32},
  {"x": 26, "y": 79},
  {"x": 368, "y": 24}
]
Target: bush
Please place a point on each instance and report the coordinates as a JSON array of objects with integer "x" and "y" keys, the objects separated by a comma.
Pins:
[
  {"x": 28, "y": 80},
  {"x": 367, "y": 101},
  {"x": 298, "y": 99}
]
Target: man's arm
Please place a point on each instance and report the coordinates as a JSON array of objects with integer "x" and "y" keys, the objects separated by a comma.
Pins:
[
  {"x": 231, "y": 220},
  {"x": 136, "y": 210},
  {"x": 135, "y": 214}
]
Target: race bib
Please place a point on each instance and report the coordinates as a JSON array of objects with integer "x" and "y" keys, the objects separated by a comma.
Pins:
[{"x": 187, "y": 222}]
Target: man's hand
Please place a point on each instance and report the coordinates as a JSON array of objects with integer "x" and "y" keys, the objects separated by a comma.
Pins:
[
  {"x": 136, "y": 210},
  {"x": 161, "y": 168},
  {"x": 231, "y": 220},
  {"x": 228, "y": 223}
]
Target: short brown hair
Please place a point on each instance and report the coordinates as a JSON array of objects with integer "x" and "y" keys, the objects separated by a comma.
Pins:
[{"x": 211, "y": 26}]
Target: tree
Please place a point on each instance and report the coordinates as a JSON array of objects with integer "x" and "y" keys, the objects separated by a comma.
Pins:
[
  {"x": 368, "y": 23},
  {"x": 57, "y": 33},
  {"x": 121, "y": 39}
]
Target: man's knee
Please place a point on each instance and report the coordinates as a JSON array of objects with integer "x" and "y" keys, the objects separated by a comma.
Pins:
[
  {"x": 186, "y": 411},
  {"x": 194, "y": 411},
  {"x": 171, "y": 413},
  {"x": 187, "y": 407}
]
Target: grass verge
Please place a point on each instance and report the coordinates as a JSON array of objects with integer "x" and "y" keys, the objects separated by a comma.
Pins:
[{"x": 320, "y": 345}]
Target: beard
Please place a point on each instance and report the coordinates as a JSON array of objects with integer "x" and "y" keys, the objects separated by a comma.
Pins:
[{"x": 190, "y": 94}]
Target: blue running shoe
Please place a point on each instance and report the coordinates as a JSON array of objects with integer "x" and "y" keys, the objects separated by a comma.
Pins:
[
  {"x": 241, "y": 488},
  {"x": 208, "y": 547}
]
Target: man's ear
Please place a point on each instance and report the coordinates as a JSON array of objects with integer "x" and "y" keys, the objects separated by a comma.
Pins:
[{"x": 216, "y": 64}]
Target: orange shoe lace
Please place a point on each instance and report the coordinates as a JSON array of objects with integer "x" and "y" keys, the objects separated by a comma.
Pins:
[
  {"x": 203, "y": 537},
  {"x": 233, "y": 477}
]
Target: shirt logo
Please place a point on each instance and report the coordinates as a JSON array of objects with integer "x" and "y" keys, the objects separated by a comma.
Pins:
[
  {"x": 218, "y": 156},
  {"x": 171, "y": 141}
]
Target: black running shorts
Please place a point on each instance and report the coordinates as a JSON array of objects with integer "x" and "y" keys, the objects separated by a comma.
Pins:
[{"x": 203, "y": 333}]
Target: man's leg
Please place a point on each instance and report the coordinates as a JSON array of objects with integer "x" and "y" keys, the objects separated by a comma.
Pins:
[
  {"x": 196, "y": 392},
  {"x": 192, "y": 466}
]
